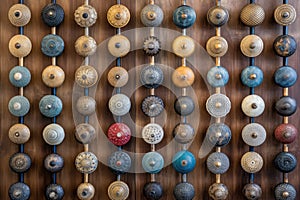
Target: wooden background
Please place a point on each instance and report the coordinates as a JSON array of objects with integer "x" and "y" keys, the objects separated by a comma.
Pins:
[{"x": 38, "y": 178}]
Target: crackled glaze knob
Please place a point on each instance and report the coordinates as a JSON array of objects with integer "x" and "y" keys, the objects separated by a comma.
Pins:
[
  {"x": 285, "y": 191},
  {"x": 252, "y": 15},
  {"x": 153, "y": 191},
  {"x": 85, "y": 16},
  {"x": 252, "y": 76},
  {"x": 286, "y": 106},
  {"x": 86, "y": 105},
  {"x": 152, "y": 133},
  {"x": 18, "y": 106},
  {"x": 53, "y": 134},
  {"x": 252, "y": 162},
  {"x": 184, "y": 16},
  {"x": 54, "y": 163},
  {"x": 217, "y": 46},
  {"x": 151, "y": 46},
  {"x": 217, "y": 163},
  {"x": 52, "y": 45},
  {"x": 184, "y": 105},
  {"x": 118, "y": 46},
  {"x": 183, "y": 162},
  {"x": 119, "y": 104},
  {"x": 151, "y": 76},
  {"x": 286, "y": 133},
  {"x": 19, "y": 191},
  {"x": 53, "y": 14},
  {"x": 54, "y": 192},
  {"x": 253, "y": 105},
  {"x": 183, "y": 77},
  {"x": 119, "y": 134},
  {"x": 217, "y": 76},
  {"x": 184, "y": 191},
  {"x": 254, "y": 134},
  {"x": 252, "y": 191},
  {"x": 218, "y": 191},
  {"x": 118, "y": 190},
  {"x": 217, "y": 16},
  {"x": 85, "y": 133},
  {"x": 19, "y": 15},
  {"x": 118, "y": 16},
  {"x": 285, "y": 14},
  {"x": 152, "y": 106},
  {"x": 86, "y": 162},
  {"x": 20, "y": 46},
  {"x": 20, "y": 162},
  {"x": 86, "y": 76},
  {"x": 85, "y": 46},
  {"x": 117, "y": 77},
  {"x": 285, "y": 76},
  {"x": 252, "y": 46},
  {"x": 285, "y": 45},
  {"x": 183, "y": 133},
  {"x": 119, "y": 162},
  {"x": 50, "y": 106},
  {"x": 53, "y": 76},
  {"x": 85, "y": 191},
  {"x": 19, "y": 134},
  {"x": 285, "y": 162},
  {"x": 19, "y": 76},
  {"x": 218, "y": 134},
  {"x": 218, "y": 105},
  {"x": 152, "y": 15},
  {"x": 152, "y": 162},
  {"x": 183, "y": 46}
]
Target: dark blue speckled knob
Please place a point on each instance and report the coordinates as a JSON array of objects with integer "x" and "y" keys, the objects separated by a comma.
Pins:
[
  {"x": 184, "y": 16},
  {"x": 218, "y": 134},
  {"x": 184, "y": 162},
  {"x": 285, "y": 162},
  {"x": 217, "y": 76},
  {"x": 285, "y": 191},
  {"x": 286, "y": 106},
  {"x": 54, "y": 192},
  {"x": 53, "y": 14},
  {"x": 19, "y": 76},
  {"x": 151, "y": 76},
  {"x": 285, "y": 45},
  {"x": 184, "y": 191},
  {"x": 50, "y": 106},
  {"x": 217, "y": 163},
  {"x": 152, "y": 15},
  {"x": 252, "y": 76},
  {"x": 20, "y": 162},
  {"x": 18, "y": 106},
  {"x": 54, "y": 163},
  {"x": 19, "y": 191},
  {"x": 52, "y": 45},
  {"x": 153, "y": 191},
  {"x": 285, "y": 76},
  {"x": 152, "y": 162},
  {"x": 184, "y": 105},
  {"x": 119, "y": 162}
]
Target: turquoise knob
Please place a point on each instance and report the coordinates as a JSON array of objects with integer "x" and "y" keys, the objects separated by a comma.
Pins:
[
  {"x": 252, "y": 76},
  {"x": 50, "y": 106},
  {"x": 18, "y": 106},
  {"x": 52, "y": 45},
  {"x": 285, "y": 76},
  {"x": 19, "y": 76},
  {"x": 184, "y": 16},
  {"x": 184, "y": 162},
  {"x": 153, "y": 162},
  {"x": 217, "y": 76}
]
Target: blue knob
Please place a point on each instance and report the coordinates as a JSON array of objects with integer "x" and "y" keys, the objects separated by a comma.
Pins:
[
  {"x": 218, "y": 134},
  {"x": 19, "y": 191},
  {"x": 19, "y": 76},
  {"x": 50, "y": 106},
  {"x": 285, "y": 162},
  {"x": 53, "y": 14},
  {"x": 18, "y": 106},
  {"x": 217, "y": 76},
  {"x": 285, "y": 45},
  {"x": 52, "y": 45},
  {"x": 252, "y": 76},
  {"x": 184, "y": 162},
  {"x": 285, "y": 76},
  {"x": 54, "y": 192},
  {"x": 184, "y": 16},
  {"x": 153, "y": 162}
]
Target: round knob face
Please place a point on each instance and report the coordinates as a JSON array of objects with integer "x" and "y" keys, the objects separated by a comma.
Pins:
[
  {"x": 20, "y": 162},
  {"x": 53, "y": 76},
  {"x": 118, "y": 16},
  {"x": 218, "y": 191},
  {"x": 218, "y": 134},
  {"x": 151, "y": 46},
  {"x": 19, "y": 15},
  {"x": 285, "y": 191},
  {"x": 19, "y": 191},
  {"x": 254, "y": 134},
  {"x": 252, "y": 45},
  {"x": 252, "y": 191},
  {"x": 152, "y": 15},
  {"x": 119, "y": 162},
  {"x": 117, "y": 77},
  {"x": 50, "y": 106},
  {"x": 85, "y": 16},
  {"x": 118, "y": 46},
  {"x": 85, "y": 133},
  {"x": 86, "y": 105},
  {"x": 252, "y": 15},
  {"x": 119, "y": 134},
  {"x": 253, "y": 105},
  {"x": 286, "y": 106},
  {"x": 184, "y": 16},
  {"x": 252, "y": 76},
  {"x": 152, "y": 106},
  {"x": 217, "y": 46},
  {"x": 183, "y": 133},
  {"x": 285, "y": 45},
  {"x": 218, "y": 105},
  {"x": 18, "y": 106},
  {"x": 217, "y": 16},
  {"x": 86, "y": 162},
  {"x": 184, "y": 105},
  {"x": 285, "y": 162},
  {"x": 286, "y": 133},
  {"x": 183, "y": 46},
  {"x": 183, "y": 162},
  {"x": 85, "y": 191},
  {"x": 20, "y": 46},
  {"x": 285, "y": 76},
  {"x": 52, "y": 45},
  {"x": 285, "y": 14},
  {"x": 153, "y": 191},
  {"x": 153, "y": 133},
  {"x": 19, "y": 134},
  {"x": 217, "y": 76},
  {"x": 183, "y": 77},
  {"x": 152, "y": 162},
  {"x": 184, "y": 191},
  {"x": 54, "y": 163},
  {"x": 151, "y": 76},
  {"x": 217, "y": 163},
  {"x": 86, "y": 76},
  {"x": 19, "y": 76},
  {"x": 85, "y": 46},
  {"x": 53, "y": 14},
  {"x": 54, "y": 192},
  {"x": 252, "y": 162},
  {"x": 53, "y": 134},
  {"x": 118, "y": 190},
  {"x": 119, "y": 104}
]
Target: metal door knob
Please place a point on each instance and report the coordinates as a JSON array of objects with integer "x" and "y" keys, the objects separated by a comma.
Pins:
[
  {"x": 118, "y": 190},
  {"x": 252, "y": 15},
  {"x": 118, "y": 16},
  {"x": 217, "y": 16},
  {"x": 285, "y": 162},
  {"x": 285, "y": 14},
  {"x": 152, "y": 106},
  {"x": 217, "y": 46},
  {"x": 85, "y": 16},
  {"x": 252, "y": 162},
  {"x": 86, "y": 162},
  {"x": 286, "y": 106},
  {"x": 151, "y": 46},
  {"x": 285, "y": 191},
  {"x": 151, "y": 76},
  {"x": 217, "y": 163},
  {"x": 252, "y": 46}
]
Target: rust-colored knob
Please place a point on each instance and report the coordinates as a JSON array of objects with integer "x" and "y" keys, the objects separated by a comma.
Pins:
[
  {"x": 20, "y": 46},
  {"x": 118, "y": 16},
  {"x": 19, "y": 15},
  {"x": 53, "y": 76}
]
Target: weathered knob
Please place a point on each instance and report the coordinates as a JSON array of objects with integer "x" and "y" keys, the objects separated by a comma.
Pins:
[
  {"x": 218, "y": 134},
  {"x": 285, "y": 14},
  {"x": 253, "y": 105},
  {"x": 184, "y": 191},
  {"x": 52, "y": 45},
  {"x": 118, "y": 16},
  {"x": 117, "y": 77},
  {"x": 152, "y": 133},
  {"x": 183, "y": 162},
  {"x": 183, "y": 77},
  {"x": 86, "y": 162},
  {"x": 218, "y": 105},
  {"x": 286, "y": 106},
  {"x": 218, "y": 191},
  {"x": 19, "y": 134},
  {"x": 152, "y": 15},
  {"x": 252, "y": 76},
  {"x": 118, "y": 190},
  {"x": 85, "y": 191},
  {"x": 153, "y": 191},
  {"x": 53, "y": 134},
  {"x": 119, "y": 134},
  {"x": 86, "y": 105},
  {"x": 119, "y": 162},
  {"x": 285, "y": 162},
  {"x": 285, "y": 191},
  {"x": 151, "y": 76},
  {"x": 19, "y": 76},
  {"x": 252, "y": 162},
  {"x": 20, "y": 162},
  {"x": 183, "y": 46},
  {"x": 53, "y": 76},
  {"x": 50, "y": 106},
  {"x": 252, "y": 46},
  {"x": 285, "y": 76},
  {"x": 184, "y": 16},
  {"x": 53, "y": 14},
  {"x": 285, "y": 45},
  {"x": 85, "y": 46},
  {"x": 152, "y": 106},
  {"x": 85, "y": 16},
  {"x": 217, "y": 46},
  {"x": 19, "y": 15},
  {"x": 217, "y": 16},
  {"x": 54, "y": 192},
  {"x": 119, "y": 104},
  {"x": 86, "y": 76},
  {"x": 183, "y": 133},
  {"x": 254, "y": 134},
  {"x": 151, "y": 46},
  {"x": 54, "y": 163},
  {"x": 152, "y": 162},
  {"x": 252, "y": 191},
  {"x": 20, "y": 46},
  {"x": 18, "y": 106},
  {"x": 217, "y": 163},
  {"x": 118, "y": 46},
  {"x": 85, "y": 133},
  {"x": 252, "y": 15},
  {"x": 217, "y": 76},
  {"x": 19, "y": 191},
  {"x": 286, "y": 133},
  {"x": 184, "y": 105}
]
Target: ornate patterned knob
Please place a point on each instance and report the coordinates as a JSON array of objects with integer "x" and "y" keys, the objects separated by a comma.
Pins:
[
  {"x": 217, "y": 16},
  {"x": 184, "y": 16},
  {"x": 54, "y": 192},
  {"x": 118, "y": 46},
  {"x": 217, "y": 76},
  {"x": 151, "y": 46},
  {"x": 252, "y": 191},
  {"x": 50, "y": 106},
  {"x": 285, "y": 162},
  {"x": 118, "y": 190},
  {"x": 54, "y": 163},
  {"x": 183, "y": 77},
  {"x": 218, "y": 105},
  {"x": 217, "y": 163},
  {"x": 286, "y": 133},
  {"x": 285, "y": 45},
  {"x": 286, "y": 106},
  {"x": 183, "y": 162},
  {"x": 151, "y": 76},
  {"x": 53, "y": 76},
  {"x": 152, "y": 133},
  {"x": 285, "y": 14},
  {"x": 86, "y": 76},
  {"x": 20, "y": 46},
  {"x": 184, "y": 191},
  {"x": 152, "y": 15},
  {"x": 183, "y": 46},
  {"x": 53, "y": 14},
  {"x": 153, "y": 191},
  {"x": 217, "y": 46},
  {"x": 285, "y": 191},
  {"x": 184, "y": 105},
  {"x": 252, "y": 45},
  {"x": 218, "y": 191},
  {"x": 19, "y": 76},
  {"x": 252, "y": 76},
  {"x": 252, "y": 15},
  {"x": 85, "y": 133},
  {"x": 19, "y": 134},
  {"x": 254, "y": 134},
  {"x": 252, "y": 162},
  {"x": 52, "y": 45},
  {"x": 117, "y": 77},
  {"x": 19, "y": 191},
  {"x": 285, "y": 76},
  {"x": 85, "y": 46},
  {"x": 86, "y": 105},
  {"x": 19, "y": 15},
  {"x": 119, "y": 104},
  {"x": 183, "y": 133},
  {"x": 152, "y": 106},
  {"x": 86, "y": 162},
  {"x": 218, "y": 134},
  {"x": 53, "y": 134},
  {"x": 118, "y": 16},
  {"x": 18, "y": 106},
  {"x": 253, "y": 105},
  {"x": 152, "y": 162},
  {"x": 85, "y": 191},
  {"x": 20, "y": 162},
  {"x": 119, "y": 134},
  {"x": 119, "y": 162},
  {"x": 85, "y": 16}
]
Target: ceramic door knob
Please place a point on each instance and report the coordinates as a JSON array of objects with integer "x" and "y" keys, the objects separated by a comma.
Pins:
[
  {"x": 85, "y": 46},
  {"x": 184, "y": 105},
  {"x": 50, "y": 106},
  {"x": 152, "y": 15},
  {"x": 217, "y": 16},
  {"x": 119, "y": 162},
  {"x": 20, "y": 46},
  {"x": 183, "y": 162},
  {"x": 118, "y": 46},
  {"x": 86, "y": 162},
  {"x": 253, "y": 105},
  {"x": 19, "y": 15},
  {"x": 19, "y": 191},
  {"x": 54, "y": 192},
  {"x": 218, "y": 191},
  {"x": 285, "y": 45},
  {"x": 86, "y": 76},
  {"x": 19, "y": 76},
  {"x": 252, "y": 46},
  {"x": 151, "y": 46},
  {"x": 285, "y": 191},
  {"x": 85, "y": 16},
  {"x": 285, "y": 14},
  {"x": 184, "y": 16},
  {"x": 252, "y": 191},
  {"x": 52, "y": 45},
  {"x": 286, "y": 106},
  {"x": 254, "y": 134},
  {"x": 183, "y": 46},
  {"x": 252, "y": 162},
  {"x": 252, "y": 15},
  {"x": 119, "y": 104},
  {"x": 85, "y": 191},
  {"x": 118, "y": 77},
  {"x": 153, "y": 191},
  {"x": 53, "y": 134},
  {"x": 183, "y": 77},
  {"x": 119, "y": 134},
  {"x": 18, "y": 106},
  {"x": 217, "y": 46},
  {"x": 19, "y": 134},
  {"x": 152, "y": 133},
  {"x": 183, "y": 133},
  {"x": 285, "y": 76},
  {"x": 118, "y": 16},
  {"x": 53, "y": 14},
  {"x": 252, "y": 76},
  {"x": 217, "y": 163},
  {"x": 85, "y": 133},
  {"x": 152, "y": 162},
  {"x": 184, "y": 191},
  {"x": 118, "y": 190},
  {"x": 286, "y": 133},
  {"x": 218, "y": 134},
  {"x": 151, "y": 76},
  {"x": 20, "y": 162},
  {"x": 218, "y": 105},
  {"x": 53, "y": 76},
  {"x": 217, "y": 76},
  {"x": 152, "y": 106},
  {"x": 54, "y": 163},
  {"x": 86, "y": 105},
  {"x": 285, "y": 162}
]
